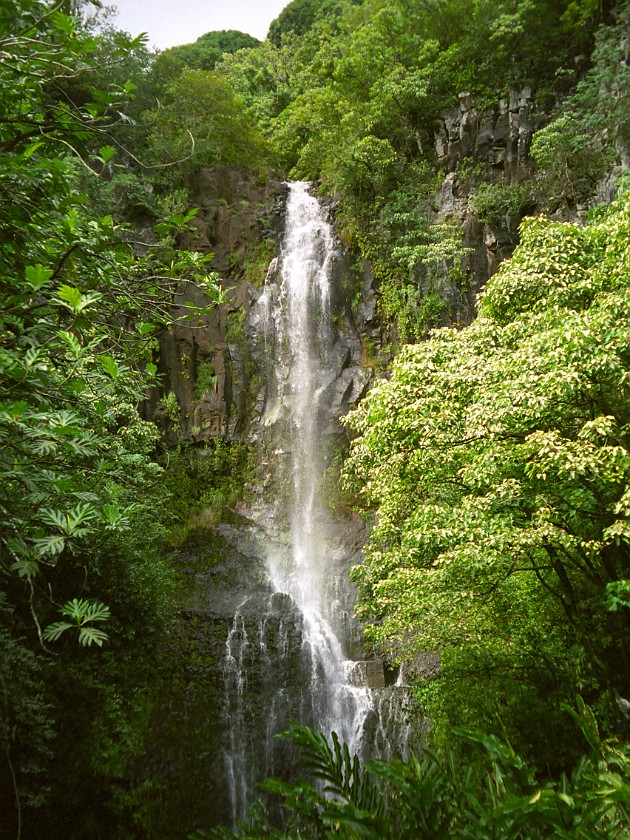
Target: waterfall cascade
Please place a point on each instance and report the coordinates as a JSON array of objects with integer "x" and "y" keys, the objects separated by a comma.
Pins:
[
  {"x": 304, "y": 331},
  {"x": 301, "y": 640}
]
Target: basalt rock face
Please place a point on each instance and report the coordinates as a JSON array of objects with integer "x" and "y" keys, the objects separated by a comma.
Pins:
[
  {"x": 204, "y": 360},
  {"x": 226, "y": 657},
  {"x": 213, "y": 364},
  {"x": 490, "y": 145},
  {"x": 499, "y": 137},
  {"x": 496, "y": 143}
]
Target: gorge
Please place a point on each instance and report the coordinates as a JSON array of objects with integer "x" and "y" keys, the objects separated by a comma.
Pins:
[
  {"x": 292, "y": 652},
  {"x": 314, "y": 416}
]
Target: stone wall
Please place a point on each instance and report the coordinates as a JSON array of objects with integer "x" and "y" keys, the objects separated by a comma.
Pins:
[
  {"x": 204, "y": 361},
  {"x": 495, "y": 142}
]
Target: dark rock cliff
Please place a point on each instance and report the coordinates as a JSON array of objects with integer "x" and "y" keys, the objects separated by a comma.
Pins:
[
  {"x": 490, "y": 145},
  {"x": 228, "y": 615},
  {"x": 204, "y": 362},
  {"x": 213, "y": 365}
]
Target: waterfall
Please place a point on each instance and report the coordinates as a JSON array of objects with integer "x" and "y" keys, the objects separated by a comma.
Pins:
[
  {"x": 302, "y": 636},
  {"x": 305, "y": 335}
]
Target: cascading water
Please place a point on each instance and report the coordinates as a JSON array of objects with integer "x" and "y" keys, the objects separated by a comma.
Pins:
[
  {"x": 304, "y": 321},
  {"x": 266, "y": 635},
  {"x": 319, "y": 686}
]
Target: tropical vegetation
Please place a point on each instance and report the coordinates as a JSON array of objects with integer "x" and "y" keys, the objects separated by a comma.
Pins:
[{"x": 490, "y": 464}]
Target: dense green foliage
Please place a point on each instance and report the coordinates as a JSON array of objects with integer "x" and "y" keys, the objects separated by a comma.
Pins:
[
  {"x": 569, "y": 151},
  {"x": 496, "y": 461},
  {"x": 201, "y": 123},
  {"x": 429, "y": 799},
  {"x": 352, "y": 94},
  {"x": 80, "y": 545},
  {"x": 200, "y": 484},
  {"x": 192, "y": 118},
  {"x": 296, "y": 18},
  {"x": 204, "y": 53}
]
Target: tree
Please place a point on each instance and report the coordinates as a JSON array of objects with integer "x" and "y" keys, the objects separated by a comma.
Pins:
[
  {"x": 78, "y": 316},
  {"x": 204, "y": 53},
  {"x": 496, "y": 463},
  {"x": 75, "y": 303},
  {"x": 203, "y": 123},
  {"x": 297, "y": 17}
]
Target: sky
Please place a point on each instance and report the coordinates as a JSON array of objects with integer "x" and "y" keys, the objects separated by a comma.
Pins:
[{"x": 172, "y": 22}]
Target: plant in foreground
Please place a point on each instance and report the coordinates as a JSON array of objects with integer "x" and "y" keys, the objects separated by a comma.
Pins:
[{"x": 433, "y": 798}]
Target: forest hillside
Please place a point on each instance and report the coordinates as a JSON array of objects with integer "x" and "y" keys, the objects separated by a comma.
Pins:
[{"x": 474, "y": 156}]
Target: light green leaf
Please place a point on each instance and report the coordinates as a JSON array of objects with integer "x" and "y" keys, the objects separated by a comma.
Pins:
[
  {"x": 73, "y": 299},
  {"x": 92, "y": 635},
  {"x": 109, "y": 365},
  {"x": 37, "y": 275},
  {"x": 44, "y": 447},
  {"x": 81, "y": 610},
  {"x": 70, "y": 296},
  {"x": 73, "y": 343},
  {"x": 69, "y": 522},
  {"x": 25, "y": 568},
  {"x": 64, "y": 23},
  {"x": 52, "y": 545},
  {"x": 107, "y": 153},
  {"x": 30, "y": 150},
  {"x": 54, "y": 631}
]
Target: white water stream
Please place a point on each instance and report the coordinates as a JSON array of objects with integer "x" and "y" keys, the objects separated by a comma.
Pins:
[
  {"x": 303, "y": 320},
  {"x": 296, "y": 319}
]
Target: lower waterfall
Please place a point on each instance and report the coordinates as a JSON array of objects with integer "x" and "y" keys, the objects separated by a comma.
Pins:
[{"x": 302, "y": 648}]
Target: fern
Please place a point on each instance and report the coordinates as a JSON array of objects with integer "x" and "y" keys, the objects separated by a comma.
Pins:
[
  {"x": 352, "y": 800},
  {"x": 83, "y": 613}
]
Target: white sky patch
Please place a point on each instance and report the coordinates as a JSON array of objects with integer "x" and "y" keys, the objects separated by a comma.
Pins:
[{"x": 169, "y": 23}]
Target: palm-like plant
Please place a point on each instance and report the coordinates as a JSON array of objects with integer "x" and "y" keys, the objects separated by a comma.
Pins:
[{"x": 427, "y": 798}]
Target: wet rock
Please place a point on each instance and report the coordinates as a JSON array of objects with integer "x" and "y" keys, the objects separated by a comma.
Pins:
[
  {"x": 498, "y": 141},
  {"x": 236, "y": 214},
  {"x": 499, "y": 137},
  {"x": 369, "y": 673}
]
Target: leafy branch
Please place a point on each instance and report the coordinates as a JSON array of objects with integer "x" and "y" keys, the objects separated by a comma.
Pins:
[{"x": 83, "y": 614}]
